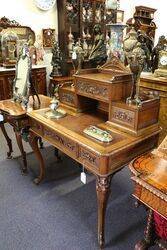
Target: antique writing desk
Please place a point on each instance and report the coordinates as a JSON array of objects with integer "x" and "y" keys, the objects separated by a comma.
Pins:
[
  {"x": 101, "y": 159},
  {"x": 150, "y": 178},
  {"x": 15, "y": 115},
  {"x": 89, "y": 102}
]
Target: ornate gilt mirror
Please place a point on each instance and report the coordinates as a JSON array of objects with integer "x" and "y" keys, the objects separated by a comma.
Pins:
[{"x": 12, "y": 37}]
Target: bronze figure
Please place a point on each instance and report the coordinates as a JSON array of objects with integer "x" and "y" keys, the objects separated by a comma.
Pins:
[{"x": 98, "y": 53}]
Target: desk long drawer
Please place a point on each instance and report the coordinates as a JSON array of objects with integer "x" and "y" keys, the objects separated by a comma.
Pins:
[{"x": 56, "y": 139}]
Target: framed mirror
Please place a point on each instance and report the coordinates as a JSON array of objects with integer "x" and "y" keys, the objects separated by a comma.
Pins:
[
  {"x": 12, "y": 37},
  {"x": 22, "y": 85}
]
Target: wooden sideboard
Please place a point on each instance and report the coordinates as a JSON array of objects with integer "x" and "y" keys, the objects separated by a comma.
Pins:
[
  {"x": 150, "y": 83},
  {"x": 7, "y": 75}
]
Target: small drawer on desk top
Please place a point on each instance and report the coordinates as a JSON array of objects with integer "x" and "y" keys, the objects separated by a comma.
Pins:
[
  {"x": 60, "y": 141},
  {"x": 93, "y": 90}
]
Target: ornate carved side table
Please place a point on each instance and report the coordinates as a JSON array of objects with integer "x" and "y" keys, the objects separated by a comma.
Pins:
[
  {"x": 150, "y": 178},
  {"x": 16, "y": 115}
]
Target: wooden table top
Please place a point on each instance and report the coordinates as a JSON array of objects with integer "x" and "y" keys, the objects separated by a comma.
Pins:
[
  {"x": 16, "y": 109},
  {"x": 150, "y": 171},
  {"x": 151, "y": 78},
  {"x": 73, "y": 125}
]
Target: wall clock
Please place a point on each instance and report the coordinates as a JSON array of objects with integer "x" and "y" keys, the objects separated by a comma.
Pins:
[{"x": 45, "y": 4}]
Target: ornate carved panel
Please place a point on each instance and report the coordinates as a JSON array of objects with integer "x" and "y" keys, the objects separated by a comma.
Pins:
[
  {"x": 67, "y": 98},
  {"x": 123, "y": 115},
  {"x": 62, "y": 141},
  {"x": 93, "y": 90},
  {"x": 89, "y": 157}
]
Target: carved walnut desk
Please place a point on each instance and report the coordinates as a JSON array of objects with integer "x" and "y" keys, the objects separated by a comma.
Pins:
[
  {"x": 101, "y": 159},
  {"x": 150, "y": 177},
  {"x": 15, "y": 115}
]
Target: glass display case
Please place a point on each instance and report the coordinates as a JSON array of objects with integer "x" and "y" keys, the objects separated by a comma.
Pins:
[{"x": 76, "y": 19}]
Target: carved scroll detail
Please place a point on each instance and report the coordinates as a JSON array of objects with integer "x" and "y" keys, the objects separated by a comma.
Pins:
[
  {"x": 67, "y": 98},
  {"x": 124, "y": 116},
  {"x": 63, "y": 141},
  {"x": 91, "y": 158},
  {"x": 92, "y": 89}
]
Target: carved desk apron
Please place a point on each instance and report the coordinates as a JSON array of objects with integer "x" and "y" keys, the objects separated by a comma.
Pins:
[{"x": 102, "y": 159}]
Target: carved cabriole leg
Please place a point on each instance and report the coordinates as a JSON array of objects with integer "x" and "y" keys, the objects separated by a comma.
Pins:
[
  {"x": 9, "y": 141},
  {"x": 149, "y": 234},
  {"x": 103, "y": 190},
  {"x": 33, "y": 141},
  {"x": 23, "y": 153}
]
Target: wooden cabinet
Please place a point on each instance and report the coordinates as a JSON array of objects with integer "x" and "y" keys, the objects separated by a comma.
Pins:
[
  {"x": 39, "y": 80},
  {"x": 159, "y": 84},
  {"x": 76, "y": 19},
  {"x": 7, "y": 76}
]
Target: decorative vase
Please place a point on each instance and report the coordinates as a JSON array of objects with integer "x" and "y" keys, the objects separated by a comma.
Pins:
[{"x": 111, "y": 4}]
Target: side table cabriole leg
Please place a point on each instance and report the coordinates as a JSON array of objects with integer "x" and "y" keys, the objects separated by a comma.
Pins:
[
  {"x": 148, "y": 240},
  {"x": 103, "y": 191},
  {"x": 33, "y": 141},
  {"x": 9, "y": 141},
  {"x": 23, "y": 153}
]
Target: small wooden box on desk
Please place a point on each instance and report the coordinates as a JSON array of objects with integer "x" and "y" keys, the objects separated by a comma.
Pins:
[
  {"x": 159, "y": 84},
  {"x": 133, "y": 119}
]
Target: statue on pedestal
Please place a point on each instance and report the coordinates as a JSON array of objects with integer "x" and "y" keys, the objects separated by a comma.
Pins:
[
  {"x": 77, "y": 57},
  {"x": 135, "y": 57}
]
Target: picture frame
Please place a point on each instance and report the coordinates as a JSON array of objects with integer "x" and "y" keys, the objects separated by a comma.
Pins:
[{"x": 48, "y": 37}]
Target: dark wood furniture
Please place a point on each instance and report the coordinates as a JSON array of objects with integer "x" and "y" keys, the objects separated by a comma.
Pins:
[
  {"x": 7, "y": 76},
  {"x": 143, "y": 20},
  {"x": 76, "y": 19},
  {"x": 157, "y": 84},
  {"x": 16, "y": 116},
  {"x": 150, "y": 178},
  {"x": 88, "y": 103}
]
